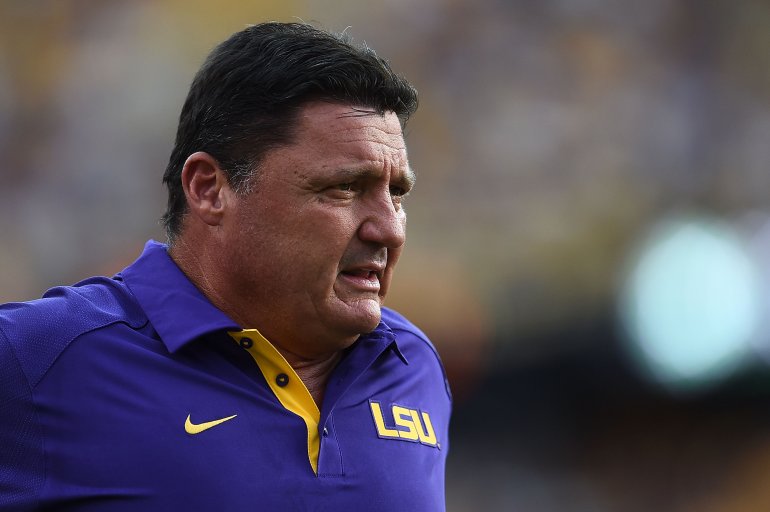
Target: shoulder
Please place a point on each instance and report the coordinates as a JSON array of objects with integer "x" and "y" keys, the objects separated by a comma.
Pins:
[
  {"x": 36, "y": 332},
  {"x": 414, "y": 343}
]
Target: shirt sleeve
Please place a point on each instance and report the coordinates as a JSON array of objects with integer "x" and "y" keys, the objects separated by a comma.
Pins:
[{"x": 21, "y": 453}]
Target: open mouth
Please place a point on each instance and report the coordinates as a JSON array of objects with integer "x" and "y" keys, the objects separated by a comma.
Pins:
[
  {"x": 362, "y": 278},
  {"x": 361, "y": 274}
]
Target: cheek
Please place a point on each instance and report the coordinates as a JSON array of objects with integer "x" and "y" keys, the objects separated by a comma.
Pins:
[
  {"x": 330, "y": 232},
  {"x": 322, "y": 243}
]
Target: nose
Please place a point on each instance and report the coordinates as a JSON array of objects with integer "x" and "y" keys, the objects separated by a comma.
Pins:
[{"x": 384, "y": 223}]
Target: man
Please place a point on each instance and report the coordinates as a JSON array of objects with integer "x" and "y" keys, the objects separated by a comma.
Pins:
[{"x": 248, "y": 365}]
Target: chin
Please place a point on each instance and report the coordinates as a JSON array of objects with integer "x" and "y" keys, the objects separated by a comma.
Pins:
[{"x": 363, "y": 320}]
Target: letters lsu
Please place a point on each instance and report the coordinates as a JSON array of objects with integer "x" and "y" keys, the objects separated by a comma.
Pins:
[{"x": 404, "y": 424}]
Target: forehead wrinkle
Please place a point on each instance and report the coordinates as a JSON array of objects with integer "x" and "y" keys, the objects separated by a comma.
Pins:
[
  {"x": 395, "y": 146},
  {"x": 360, "y": 138},
  {"x": 389, "y": 152},
  {"x": 369, "y": 133},
  {"x": 359, "y": 112}
]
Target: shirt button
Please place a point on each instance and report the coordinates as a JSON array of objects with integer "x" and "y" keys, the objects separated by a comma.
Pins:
[
  {"x": 282, "y": 379},
  {"x": 326, "y": 431},
  {"x": 246, "y": 343}
]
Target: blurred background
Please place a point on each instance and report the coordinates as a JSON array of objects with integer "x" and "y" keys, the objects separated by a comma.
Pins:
[{"x": 588, "y": 236}]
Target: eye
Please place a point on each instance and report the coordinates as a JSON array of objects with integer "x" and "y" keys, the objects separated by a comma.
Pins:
[
  {"x": 342, "y": 191},
  {"x": 396, "y": 191}
]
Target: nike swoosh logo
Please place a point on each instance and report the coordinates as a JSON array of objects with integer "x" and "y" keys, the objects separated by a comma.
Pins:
[{"x": 192, "y": 428}]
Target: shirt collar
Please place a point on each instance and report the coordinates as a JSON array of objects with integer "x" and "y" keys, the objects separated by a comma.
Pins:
[
  {"x": 386, "y": 338},
  {"x": 178, "y": 311}
]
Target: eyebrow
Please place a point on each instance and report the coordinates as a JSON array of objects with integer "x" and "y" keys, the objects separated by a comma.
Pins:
[
  {"x": 353, "y": 174},
  {"x": 410, "y": 177}
]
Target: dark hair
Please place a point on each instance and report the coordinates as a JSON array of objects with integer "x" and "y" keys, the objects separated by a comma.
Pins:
[{"x": 244, "y": 99}]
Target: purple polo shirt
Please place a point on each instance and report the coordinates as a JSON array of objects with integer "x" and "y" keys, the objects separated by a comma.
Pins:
[{"x": 136, "y": 393}]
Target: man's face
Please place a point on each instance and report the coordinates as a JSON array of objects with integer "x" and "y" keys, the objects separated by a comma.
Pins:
[{"x": 313, "y": 246}]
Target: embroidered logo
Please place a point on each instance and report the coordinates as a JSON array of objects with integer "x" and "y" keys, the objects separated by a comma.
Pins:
[
  {"x": 193, "y": 428},
  {"x": 407, "y": 424}
]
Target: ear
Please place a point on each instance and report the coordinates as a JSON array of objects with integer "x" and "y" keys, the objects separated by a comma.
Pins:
[{"x": 205, "y": 187}]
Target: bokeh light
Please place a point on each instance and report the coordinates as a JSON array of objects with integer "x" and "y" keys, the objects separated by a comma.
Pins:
[{"x": 691, "y": 302}]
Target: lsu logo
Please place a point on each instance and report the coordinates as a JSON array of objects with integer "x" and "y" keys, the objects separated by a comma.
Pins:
[{"x": 408, "y": 424}]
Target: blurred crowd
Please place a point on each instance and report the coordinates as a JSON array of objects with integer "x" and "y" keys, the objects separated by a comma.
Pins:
[{"x": 552, "y": 138}]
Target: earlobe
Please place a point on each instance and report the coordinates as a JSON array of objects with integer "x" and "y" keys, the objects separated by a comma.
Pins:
[{"x": 204, "y": 186}]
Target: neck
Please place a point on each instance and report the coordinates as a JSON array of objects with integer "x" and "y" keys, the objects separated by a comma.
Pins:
[{"x": 315, "y": 373}]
